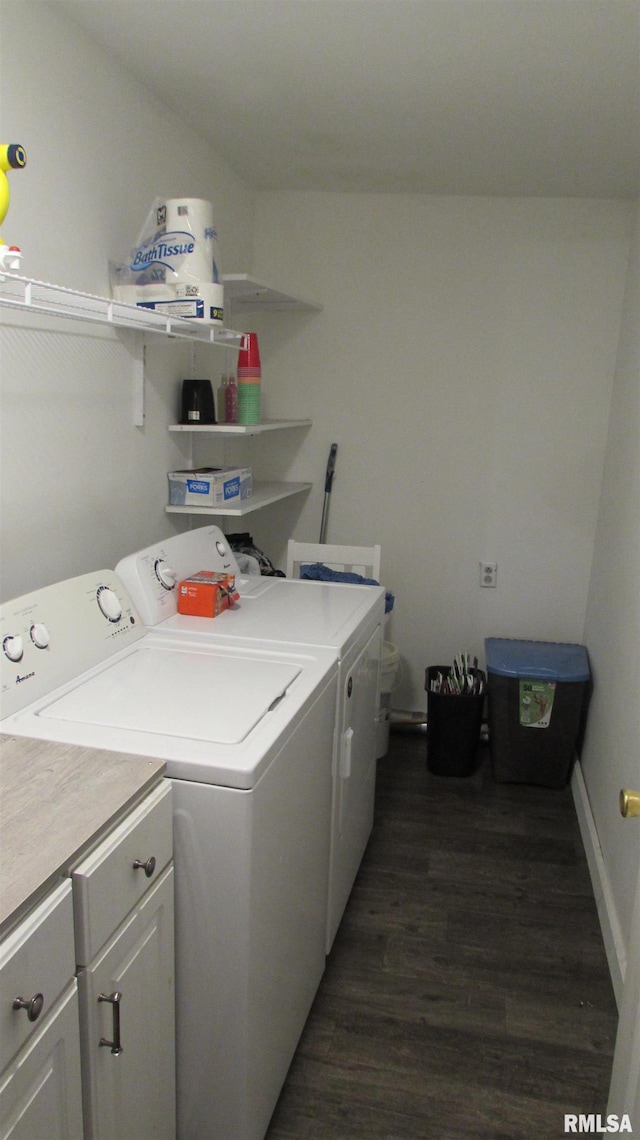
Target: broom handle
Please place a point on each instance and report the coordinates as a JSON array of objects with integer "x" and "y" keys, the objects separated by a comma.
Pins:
[{"x": 328, "y": 480}]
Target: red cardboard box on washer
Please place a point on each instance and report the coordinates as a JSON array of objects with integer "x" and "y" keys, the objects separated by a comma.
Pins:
[{"x": 207, "y": 593}]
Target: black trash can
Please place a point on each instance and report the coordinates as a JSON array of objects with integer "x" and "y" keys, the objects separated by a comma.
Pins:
[
  {"x": 454, "y": 722},
  {"x": 538, "y": 700}
]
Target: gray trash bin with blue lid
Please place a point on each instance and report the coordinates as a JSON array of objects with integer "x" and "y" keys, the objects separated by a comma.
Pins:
[{"x": 538, "y": 699}]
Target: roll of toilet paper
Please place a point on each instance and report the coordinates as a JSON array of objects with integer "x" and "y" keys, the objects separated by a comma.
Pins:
[
  {"x": 202, "y": 301},
  {"x": 142, "y": 294},
  {"x": 189, "y": 232},
  {"x": 208, "y": 305}
]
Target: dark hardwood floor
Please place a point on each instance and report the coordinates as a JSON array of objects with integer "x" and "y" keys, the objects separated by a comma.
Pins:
[{"x": 467, "y": 994}]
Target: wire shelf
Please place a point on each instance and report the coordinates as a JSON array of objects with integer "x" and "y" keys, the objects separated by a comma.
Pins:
[{"x": 28, "y": 295}]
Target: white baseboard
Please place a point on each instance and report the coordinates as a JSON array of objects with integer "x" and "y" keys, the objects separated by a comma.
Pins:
[{"x": 611, "y": 934}]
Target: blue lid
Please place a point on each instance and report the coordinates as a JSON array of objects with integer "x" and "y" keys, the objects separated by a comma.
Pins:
[{"x": 549, "y": 660}]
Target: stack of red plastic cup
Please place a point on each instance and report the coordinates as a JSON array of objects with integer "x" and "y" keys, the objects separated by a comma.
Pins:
[{"x": 249, "y": 380}]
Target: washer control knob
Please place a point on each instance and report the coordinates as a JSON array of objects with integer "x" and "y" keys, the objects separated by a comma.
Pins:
[
  {"x": 166, "y": 575},
  {"x": 221, "y": 548},
  {"x": 39, "y": 635},
  {"x": 13, "y": 647},
  {"x": 109, "y": 603}
]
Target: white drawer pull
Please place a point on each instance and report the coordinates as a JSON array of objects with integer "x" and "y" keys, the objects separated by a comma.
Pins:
[{"x": 32, "y": 1005}]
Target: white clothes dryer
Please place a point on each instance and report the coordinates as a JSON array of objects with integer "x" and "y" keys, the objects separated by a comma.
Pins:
[
  {"x": 346, "y": 618},
  {"x": 246, "y": 732}
]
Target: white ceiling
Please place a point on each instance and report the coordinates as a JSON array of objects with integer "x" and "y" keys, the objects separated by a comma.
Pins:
[{"x": 500, "y": 97}]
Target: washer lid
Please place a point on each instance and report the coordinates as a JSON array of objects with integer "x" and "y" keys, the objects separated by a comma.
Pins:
[{"x": 179, "y": 692}]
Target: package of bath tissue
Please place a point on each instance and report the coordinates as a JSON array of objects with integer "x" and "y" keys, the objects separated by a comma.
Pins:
[{"x": 174, "y": 265}]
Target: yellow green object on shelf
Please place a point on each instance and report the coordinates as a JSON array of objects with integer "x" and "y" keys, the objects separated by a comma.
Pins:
[{"x": 12, "y": 157}]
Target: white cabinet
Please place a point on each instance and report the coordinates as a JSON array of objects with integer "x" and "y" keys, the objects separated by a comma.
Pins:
[
  {"x": 87, "y": 1004},
  {"x": 40, "y": 1083},
  {"x": 123, "y": 900}
]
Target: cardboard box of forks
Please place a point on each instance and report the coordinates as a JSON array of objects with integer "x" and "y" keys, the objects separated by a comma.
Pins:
[
  {"x": 210, "y": 487},
  {"x": 207, "y": 593}
]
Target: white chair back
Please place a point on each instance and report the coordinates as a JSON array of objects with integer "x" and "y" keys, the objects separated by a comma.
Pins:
[{"x": 363, "y": 560}]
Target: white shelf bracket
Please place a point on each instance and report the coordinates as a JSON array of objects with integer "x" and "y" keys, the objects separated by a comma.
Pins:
[
  {"x": 138, "y": 380},
  {"x": 137, "y": 351}
]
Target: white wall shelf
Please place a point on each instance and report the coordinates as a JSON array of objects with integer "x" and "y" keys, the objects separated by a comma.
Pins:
[
  {"x": 27, "y": 295},
  {"x": 245, "y": 294},
  {"x": 263, "y": 495},
  {"x": 240, "y": 429}
]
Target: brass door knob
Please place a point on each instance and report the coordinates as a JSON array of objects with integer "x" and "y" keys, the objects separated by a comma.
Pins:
[{"x": 629, "y": 802}]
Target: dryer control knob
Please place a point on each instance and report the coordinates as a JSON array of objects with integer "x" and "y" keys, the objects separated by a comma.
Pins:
[
  {"x": 166, "y": 575},
  {"x": 39, "y": 635},
  {"x": 13, "y": 647},
  {"x": 109, "y": 603}
]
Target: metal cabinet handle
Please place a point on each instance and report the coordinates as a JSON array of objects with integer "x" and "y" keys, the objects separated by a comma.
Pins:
[
  {"x": 148, "y": 867},
  {"x": 115, "y": 999},
  {"x": 629, "y": 802},
  {"x": 32, "y": 1005}
]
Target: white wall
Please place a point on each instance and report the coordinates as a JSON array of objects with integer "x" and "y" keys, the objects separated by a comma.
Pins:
[
  {"x": 463, "y": 363},
  {"x": 80, "y": 486},
  {"x": 611, "y": 756},
  {"x": 467, "y": 360}
]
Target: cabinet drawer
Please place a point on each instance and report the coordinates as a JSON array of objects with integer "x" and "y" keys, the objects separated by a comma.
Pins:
[
  {"x": 36, "y": 958},
  {"x": 107, "y": 884},
  {"x": 41, "y": 1090}
]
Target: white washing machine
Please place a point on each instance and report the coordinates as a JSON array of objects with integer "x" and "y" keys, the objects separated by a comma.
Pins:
[
  {"x": 346, "y": 618},
  {"x": 246, "y": 732}
]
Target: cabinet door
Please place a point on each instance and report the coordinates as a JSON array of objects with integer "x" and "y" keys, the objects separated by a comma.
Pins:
[
  {"x": 40, "y": 1092},
  {"x": 132, "y": 1093}
]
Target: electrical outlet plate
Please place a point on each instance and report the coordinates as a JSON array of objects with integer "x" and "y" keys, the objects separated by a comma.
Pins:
[{"x": 489, "y": 574}]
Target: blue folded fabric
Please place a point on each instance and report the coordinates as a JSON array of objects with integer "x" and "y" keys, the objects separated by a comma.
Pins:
[{"x": 318, "y": 572}]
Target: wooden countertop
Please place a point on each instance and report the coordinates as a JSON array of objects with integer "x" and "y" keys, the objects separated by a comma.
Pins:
[{"x": 55, "y": 801}]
